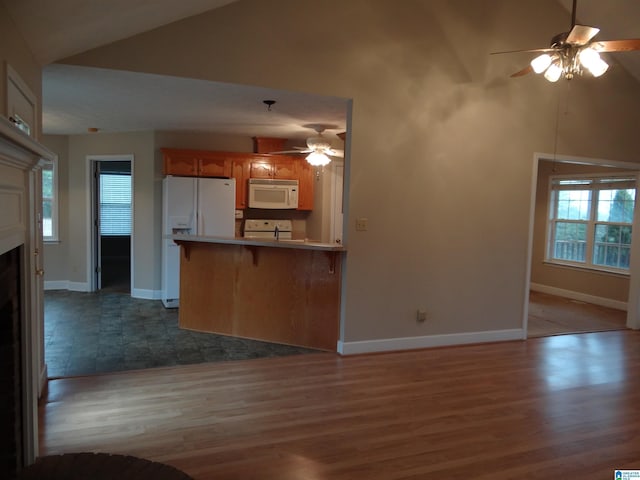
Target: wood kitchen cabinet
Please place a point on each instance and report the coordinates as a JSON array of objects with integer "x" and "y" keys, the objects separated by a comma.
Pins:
[
  {"x": 285, "y": 167},
  {"x": 214, "y": 166},
  {"x": 196, "y": 163},
  {"x": 305, "y": 173},
  {"x": 260, "y": 168},
  {"x": 240, "y": 171},
  {"x": 242, "y": 167},
  {"x": 179, "y": 162},
  {"x": 275, "y": 166}
]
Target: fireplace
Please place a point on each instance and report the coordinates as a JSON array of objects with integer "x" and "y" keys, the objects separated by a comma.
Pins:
[
  {"x": 21, "y": 291},
  {"x": 11, "y": 421}
]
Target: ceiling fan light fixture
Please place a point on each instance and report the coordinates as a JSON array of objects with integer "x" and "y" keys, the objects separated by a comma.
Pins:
[
  {"x": 591, "y": 60},
  {"x": 554, "y": 72},
  {"x": 541, "y": 63},
  {"x": 599, "y": 68},
  {"x": 318, "y": 143},
  {"x": 318, "y": 159}
]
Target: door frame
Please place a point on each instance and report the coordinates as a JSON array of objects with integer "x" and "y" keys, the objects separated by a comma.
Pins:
[
  {"x": 633, "y": 296},
  {"x": 92, "y": 235}
]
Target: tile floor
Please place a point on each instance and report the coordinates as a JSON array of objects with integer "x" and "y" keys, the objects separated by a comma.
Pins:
[{"x": 88, "y": 333}]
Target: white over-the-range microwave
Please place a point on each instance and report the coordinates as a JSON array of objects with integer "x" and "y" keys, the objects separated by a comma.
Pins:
[{"x": 268, "y": 193}]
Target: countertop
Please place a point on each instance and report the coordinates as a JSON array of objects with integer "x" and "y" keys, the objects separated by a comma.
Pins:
[{"x": 260, "y": 242}]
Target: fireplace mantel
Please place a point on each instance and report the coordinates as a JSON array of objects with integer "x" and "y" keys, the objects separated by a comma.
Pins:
[
  {"x": 20, "y": 226},
  {"x": 18, "y": 153}
]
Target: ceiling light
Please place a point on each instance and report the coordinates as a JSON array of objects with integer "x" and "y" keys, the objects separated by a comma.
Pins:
[
  {"x": 590, "y": 59},
  {"x": 569, "y": 63},
  {"x": 318, "y": 159},
  {"x": 554, "y": 71},
  {"x": 541, "y": 63}
]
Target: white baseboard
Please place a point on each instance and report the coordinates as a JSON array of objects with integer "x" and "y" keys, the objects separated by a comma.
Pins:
[
  {"x": 429, "y": 341},
  {"x": 78, "y": 287},
  {"x": 66, "y": 285},
  {"x": 582, "y": 297},
  {"x": 146, "y": 294},
  {"x": 56, "y": 285}
]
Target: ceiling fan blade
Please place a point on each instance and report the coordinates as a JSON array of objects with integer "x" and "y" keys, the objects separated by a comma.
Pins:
[
  {"x": 531, "y": 50},
  {"x": 289, "y": 152},
  {"x": 581, "y": 34},
  {"x": 617, "y": 45},
  {"x": 523, "y": 72},
  {"x": 334, "y": 152}
]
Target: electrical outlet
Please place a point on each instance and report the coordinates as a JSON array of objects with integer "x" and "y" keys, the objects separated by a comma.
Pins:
[
  {"x": 421, "y": 315},
  {"x": 362, "y": 224}
]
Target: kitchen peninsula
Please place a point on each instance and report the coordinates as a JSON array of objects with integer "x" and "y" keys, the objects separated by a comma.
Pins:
[{"x": 282, "y": 291}]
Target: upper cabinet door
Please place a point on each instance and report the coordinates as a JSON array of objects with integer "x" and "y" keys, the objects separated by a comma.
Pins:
[
  {"x": 305, "y": 173},
  {"x": 214, "y": 166},
  {"x": 284, "y": 168},
  {"x": 261, "y": 169},
  {"x": 179, "y": 162}
]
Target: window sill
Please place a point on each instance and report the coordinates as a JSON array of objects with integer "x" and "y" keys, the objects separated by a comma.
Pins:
[
  {"x": 586, "y": 268},
  {"x": 51, "y": 242}
]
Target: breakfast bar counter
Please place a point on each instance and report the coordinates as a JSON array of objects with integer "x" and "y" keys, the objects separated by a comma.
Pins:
[{"x": 282, "y": 291}]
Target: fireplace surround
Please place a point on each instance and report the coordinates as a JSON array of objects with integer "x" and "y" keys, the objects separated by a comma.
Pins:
[
  {"x": 21, "y": 298},
  {"x": 10, "y": 361}
]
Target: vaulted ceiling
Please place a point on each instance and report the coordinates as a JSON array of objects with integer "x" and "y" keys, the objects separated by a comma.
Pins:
[{"x": 56, "y": 30}]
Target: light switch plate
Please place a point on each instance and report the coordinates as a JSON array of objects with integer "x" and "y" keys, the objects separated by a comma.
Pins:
[{"x": 362, "y": 224}]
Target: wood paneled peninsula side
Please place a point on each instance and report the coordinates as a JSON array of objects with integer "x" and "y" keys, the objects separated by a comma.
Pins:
[{"x": 282, "y": 291}]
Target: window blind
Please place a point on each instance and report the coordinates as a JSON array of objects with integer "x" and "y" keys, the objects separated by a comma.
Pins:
[{"x": 115, "y": 204}]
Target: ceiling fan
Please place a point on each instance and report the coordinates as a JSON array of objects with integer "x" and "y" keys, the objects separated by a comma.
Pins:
[
  {"x": 318, "y": 148},
  {"x": 573, "y": 52}
]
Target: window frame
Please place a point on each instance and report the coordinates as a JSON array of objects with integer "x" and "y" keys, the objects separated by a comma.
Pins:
[
  {"x": 594, "y": 182},
  {"x": 53, "y": 167}
]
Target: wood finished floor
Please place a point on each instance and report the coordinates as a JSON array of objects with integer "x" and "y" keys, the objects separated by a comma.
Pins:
[
  {"x": 553, "y": 315},
  {"x": 556, "y": 407}
]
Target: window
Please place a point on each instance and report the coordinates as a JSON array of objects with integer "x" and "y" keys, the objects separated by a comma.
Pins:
[
  {"x": 50, "y": 201},
  {"x": 115, "y": 204},
  {"x": 590, "y": 221}
]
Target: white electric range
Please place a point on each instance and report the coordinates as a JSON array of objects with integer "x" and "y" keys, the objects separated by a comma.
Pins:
[{"x": 276, "y": 229}]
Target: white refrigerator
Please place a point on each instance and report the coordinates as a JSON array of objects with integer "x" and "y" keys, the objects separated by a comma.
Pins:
[{"x": 192, "y": 206}]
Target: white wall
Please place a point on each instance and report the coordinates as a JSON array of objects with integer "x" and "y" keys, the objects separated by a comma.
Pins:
[{"x": 437, "y": 122}]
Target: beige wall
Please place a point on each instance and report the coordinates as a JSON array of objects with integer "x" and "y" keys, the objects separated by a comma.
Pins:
[
  {"x": 15, "y": 52},
  {"x": 596, "y": 284},
  {"x": 441, "y": 140},
  {"x": 56, "y": 254},
  {"x": 147, "y": 206}
]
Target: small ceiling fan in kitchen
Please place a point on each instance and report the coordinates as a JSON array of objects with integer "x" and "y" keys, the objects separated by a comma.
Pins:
[
  {"x": 573, "y": 52},
  {"x": 318, "y": 149}
]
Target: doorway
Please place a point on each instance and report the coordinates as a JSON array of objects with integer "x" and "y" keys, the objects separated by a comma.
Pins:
[
  {"x": 112, "y": 221},
  {"x": 565, "y": 299}
]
